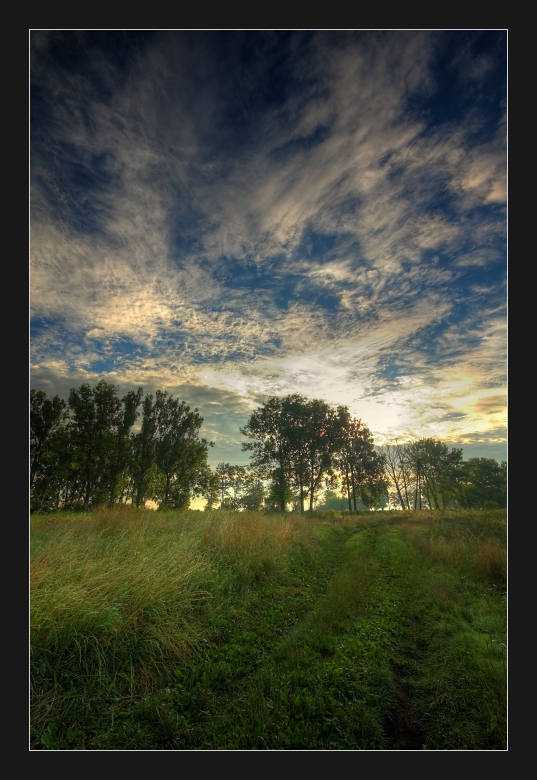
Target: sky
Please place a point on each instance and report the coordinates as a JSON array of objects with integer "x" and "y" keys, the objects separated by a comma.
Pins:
[{"x": 229, "y": 215}]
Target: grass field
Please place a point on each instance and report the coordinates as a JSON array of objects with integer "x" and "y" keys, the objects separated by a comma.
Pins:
[{"x": 254, "y": 631}]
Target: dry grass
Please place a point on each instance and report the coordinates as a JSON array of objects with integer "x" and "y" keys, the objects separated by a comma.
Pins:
[
  {"x": 104, "y": 582},
  {"x": 490, "y": 561},
  {"x": 252, "y": 544},
  {"x": 476, "y": 541},
  {"x": 252, "y": 534}
]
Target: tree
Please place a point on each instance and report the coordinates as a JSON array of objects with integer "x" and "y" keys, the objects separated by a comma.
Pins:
[
  {"x": 47, "y": 449},
  {"x": 297, "y": 433},
  {"x": 226, "y": 473},
  {"x": 482, "y": 480},
  {"x": 188, "y": 479},
  {"x": 238, "y": 487},
  {"x": 318, "y": 432},
  {"x": 121, "y": 428},
  {"x": 362, "y": 468},
  {"x": 273, "y": 498},
  {"x": 179, "y": 454},
  {"x": 83, "y": 453},
  {"x": 143, "y": 447},
  {"x": 270, "y": 446},
  {"x": 95, "y": 413},
  {"x": 254, "y": 498},
  {"x": 435, "y": 470},
  {"x": 304, "y": 444},
  {"x": 396, "y": 468},
  {"x": 293, "y": 442},
  {"x": 208, "y": 483},
  {"x": 47, "y": 416}
]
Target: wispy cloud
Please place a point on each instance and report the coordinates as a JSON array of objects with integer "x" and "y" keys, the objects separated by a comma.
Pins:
[{"x": 234, "y": 214}]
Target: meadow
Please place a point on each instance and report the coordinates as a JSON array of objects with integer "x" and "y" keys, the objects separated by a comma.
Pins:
[{"x": 258, "y": 631}]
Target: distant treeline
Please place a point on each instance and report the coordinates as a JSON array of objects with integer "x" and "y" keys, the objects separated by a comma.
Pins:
[{"x": 100, "y": 448}]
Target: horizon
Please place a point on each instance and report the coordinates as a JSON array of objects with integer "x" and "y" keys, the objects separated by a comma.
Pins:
[{"x": 229, "y": 215}]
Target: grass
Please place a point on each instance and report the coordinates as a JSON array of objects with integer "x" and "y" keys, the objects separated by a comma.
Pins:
[{"x": 250, "y": 631}]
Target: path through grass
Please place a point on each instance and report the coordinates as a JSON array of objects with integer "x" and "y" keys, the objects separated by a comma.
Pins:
[{"x": 375, "y": 632}]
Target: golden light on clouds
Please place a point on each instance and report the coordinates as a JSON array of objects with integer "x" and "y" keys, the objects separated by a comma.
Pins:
[{"x": 340, "y": 233}]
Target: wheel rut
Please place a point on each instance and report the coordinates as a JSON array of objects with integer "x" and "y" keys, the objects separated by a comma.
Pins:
[{"x": 403, "y": 728}]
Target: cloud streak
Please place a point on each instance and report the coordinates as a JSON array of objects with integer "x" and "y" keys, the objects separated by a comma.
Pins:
[{"x": 235, "y": 214}]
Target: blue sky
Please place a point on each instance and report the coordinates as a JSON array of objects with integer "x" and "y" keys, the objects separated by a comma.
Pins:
[{"x": 233, "y": 214}]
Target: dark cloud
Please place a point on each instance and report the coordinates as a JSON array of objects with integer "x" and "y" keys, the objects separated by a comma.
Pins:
[{"x": 234, "y": 214}]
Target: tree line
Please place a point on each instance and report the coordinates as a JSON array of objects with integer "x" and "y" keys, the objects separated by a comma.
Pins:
[
  {"x": 427, "y": 474},
  {"x": 100, "y": 448},
  {"x": 84, "y": 452}
]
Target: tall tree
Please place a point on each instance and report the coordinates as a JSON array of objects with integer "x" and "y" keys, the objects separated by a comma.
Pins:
[
  {"x": 188, "y": 480},
  {"x": 293, "y": 443},
  {"x": 481, "y": 481},
  {"x": 301, "y": 442},
  {"x": 143, "y": 445},
  {"x": 47, "y": 420},
  {"x": 121, "y": 428},
  {"x": 397, "y": 471},
  {"x": 180, "y": 455},
  {"x": 269, "y": 445},
  {"x": 435, "y": 471},
  {"x": 47, "y": 415},
  {"x": 362, "y": 468},
  {"x": 297, "y": 429},
  {"x": 84, "y": 453},
  {"x": 320, "y": 433},
  {"x": 94, "y": 415}
]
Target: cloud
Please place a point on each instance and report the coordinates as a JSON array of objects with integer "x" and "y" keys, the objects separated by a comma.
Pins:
[{"x": 248, "y": 213}]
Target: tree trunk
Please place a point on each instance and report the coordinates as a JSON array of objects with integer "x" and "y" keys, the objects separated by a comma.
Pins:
[{"x": 282, "y": 487}]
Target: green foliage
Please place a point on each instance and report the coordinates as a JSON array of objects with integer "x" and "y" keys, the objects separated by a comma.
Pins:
[
  {"x": 84, "y": 453},
  {"x": 482, "y": 484},
  {"x": 425, "y": 474},
  {"x": 234, "y": 630},
  {"x": 305, "y": 445},
  {"x": 48, "y": 449}
]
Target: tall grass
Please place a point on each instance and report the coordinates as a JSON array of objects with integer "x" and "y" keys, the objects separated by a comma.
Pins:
[
  {"x": 226, "y": 630},
  {"x": 119, "y": 599},
  {"x": 252, "y": 545},
  {"x": 473, "y": 540}
]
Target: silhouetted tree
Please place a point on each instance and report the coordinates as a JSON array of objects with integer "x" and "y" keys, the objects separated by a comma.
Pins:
[
  {"x": 179, "y": 454},
  {"x": 94, "y": 415},
  {"x": 269, "y": 445},
  {"x": 121, "y": 443},
  {"x": 47, "y": 416},
  {"x": 362, "y": 468}
]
